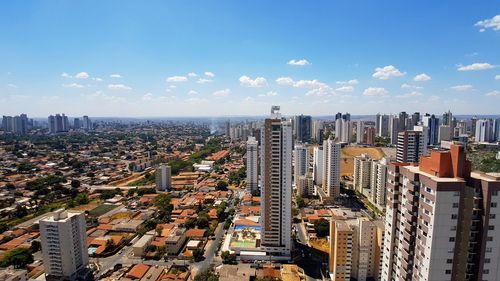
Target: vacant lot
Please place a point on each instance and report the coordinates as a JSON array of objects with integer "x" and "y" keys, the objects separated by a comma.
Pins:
[
  {"x": 348, "y": 154},
  {"x": 101, "y": 210}
]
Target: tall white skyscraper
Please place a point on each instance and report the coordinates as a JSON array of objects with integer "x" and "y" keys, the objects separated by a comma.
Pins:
[
  {"x": 252, "y": 167},
  {"x": 378, "y": 182},
  {"x": 318, "y": 165},
  {"x": 330, "y": 188},
  {"x": 360, "y": 128},
  {"x": 343, "y": 130},
  {"x": 163, "y": 178},
  {"x": 484, "y": 130},
  {"x": 301, "y": 161},
  {"x": 276, "y": 193},
  {"x": 317, "y": 128},
  {"x": 87, "y": 123},
  {"x": 64, "y": 245},
  {"x": 362, "y": 172}
]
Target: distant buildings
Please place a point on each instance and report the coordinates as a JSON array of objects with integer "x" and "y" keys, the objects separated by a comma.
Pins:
[
  {"x": 58, "y": 123},
  {"x": 305, "y": 185},
  {"x": 330, "y": 188},
  {"x": 441, "y": 220},
  {"x": 276, "y": 193},
  {"x": 302, "y": 128},
  {"x": 362, "y": 172},
  {"x": 19, "y": 124},
  {"x": 411, "y": 145},
  {"x": 382, "y": 125},
  {"x": 252, "y": 166},
  {"x": 301, "y": 161},
  {"x": 317, "y": 131},
  {"x": 64, "y": 245},
  {"x": 318, "y": 165},
  {"x": 163, "y": 178},
  {"x": 484, "y": 130}
]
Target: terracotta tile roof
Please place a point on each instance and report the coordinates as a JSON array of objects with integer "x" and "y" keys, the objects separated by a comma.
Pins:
[
  {"x": 138, "y": 271},
  {"x": 195, "y": 232}
]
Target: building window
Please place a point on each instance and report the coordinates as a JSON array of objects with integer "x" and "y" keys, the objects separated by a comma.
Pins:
[
  {"x": 493, "y": 204},
  {"x": 455, "y": 205},
  {"x": 488, "y": 250},
  {"x": 454, "y": 216},
  {"x": 490, "y": 238},
  {"x": 492, "y": 216},
  {"x": 487, "y": 260},
  {"x": 449, "y": 261},
  {"x": 447, "y": 271},
  {"x": 494, "y": 193},
  {"x": 491, "y": 227},
  {"x": 486, "y": 271},
  {"x": 452, "y": 239}
]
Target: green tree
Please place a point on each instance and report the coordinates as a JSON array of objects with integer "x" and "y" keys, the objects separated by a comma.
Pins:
[
  {"x": 322, "y": 227},
  {"x": 19, "y": 258},
  {"x": 198, "y": 254},
  {"x": 82, "y": 198},
  {"x": 300, "y": 202},
  {"x": 75, "y": 183},
  {"x": 228, "y": 258},
  {"x": 35, "y": 246},
  {"x": 222, "y": 185}
]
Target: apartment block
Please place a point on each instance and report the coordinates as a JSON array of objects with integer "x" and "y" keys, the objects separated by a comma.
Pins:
[
  {"x": 362, "y": 172},
  {"x": 276, "y": 193},
  {"x": 441, "y": 220},
  {"x": 64, "y": 245},
  {"x": 252, "y": 165},
  {"x": 330, "y": 188},
  {"x": 411, "y": 145}
]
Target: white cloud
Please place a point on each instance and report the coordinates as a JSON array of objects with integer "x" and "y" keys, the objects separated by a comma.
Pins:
[
  {"x": 387, "y": 72},
  {"x": 147, "y": 97},
  {"x": 209, "y": 74},
  {"x": 73, "y": 85},
  {"x": 12, "y": 86},
  {"x": 311, "y": 84},
  {"x": 462, "y": 88},
  {"x": 493, "y": 23},
  {"x": 413, "y": 94},
  {"x": 372, "y": 92},
  {"x": 497, "y": 77},
  {"x": 82, "y": 75},
  {"x": 172, "y": 86},
  {"x": 422, "y": 77},
  {"x": 192, "y": 93},
  {"x": 249, "y": 82},
  {"x": 434, "y": 98},
  {"x": 285, "y": 81},
  {"x": 475, "y": 66},
  {"x": 320, "y": 92},
  {"x": 408, "y": 86},
  {"x": 97, "y": 79},
  {"x": 271, "y": 94},
  {"x": 493, "y": 94},
  {"x": 204, "y": 81},
  {"x": 119, "y": 87},
  {"x": 177, "y": 79},
  {"x": 222, "y": 93},
  {"x": 66, "y": 75},
  {"x": 300, "y": 62},
  {"x": 345, "y": 89},
  {"x": 352, "y": 82},
  {"x": 115, "y": 75},
  {"x": 192, "y": 74}
]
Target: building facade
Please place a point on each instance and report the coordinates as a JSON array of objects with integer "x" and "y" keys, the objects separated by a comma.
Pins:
[
  {"x": 64, "y": 247},
  {"x": 252, "y": 166},
  {"x": 276, "y": 193}
]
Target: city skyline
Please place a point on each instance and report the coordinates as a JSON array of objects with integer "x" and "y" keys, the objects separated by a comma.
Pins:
[{"x": 223, "y": 59}]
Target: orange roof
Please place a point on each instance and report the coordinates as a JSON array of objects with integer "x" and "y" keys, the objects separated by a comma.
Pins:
[
  {"x": 323, "y": 212},
  {"x": 195, "y": 232},
  {"x": 103, "y": 226},
  {"x": 138, "y": 271},
  {"x": 245, "y": 222},
  {"x": 212, "y": 213},
  {"x": 271, "y": 272},
  {"x": 312, "y": 218}
]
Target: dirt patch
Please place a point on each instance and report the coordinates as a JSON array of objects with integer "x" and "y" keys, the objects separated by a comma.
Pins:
[
  {"x": 348, "y": 154},
  {"x": 320, "y": 244},
  {"x": 87, "y": 207}
]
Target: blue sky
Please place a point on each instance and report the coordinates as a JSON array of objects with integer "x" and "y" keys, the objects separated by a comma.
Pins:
[{"x": 211, "y": 58}]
